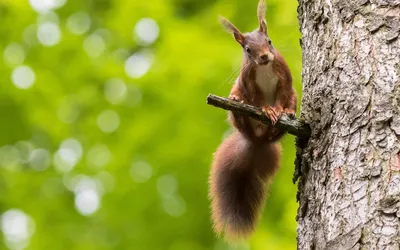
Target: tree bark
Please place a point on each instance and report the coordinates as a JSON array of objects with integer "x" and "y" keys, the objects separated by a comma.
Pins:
[{"x": 349, "y": 169}]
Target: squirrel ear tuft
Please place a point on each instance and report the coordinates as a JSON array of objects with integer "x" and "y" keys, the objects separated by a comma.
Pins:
[
  {"x": 232, "y": 29},
  {"x": 261, "y": 16}
]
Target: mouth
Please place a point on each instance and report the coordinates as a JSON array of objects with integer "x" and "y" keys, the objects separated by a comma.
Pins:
[{"x": 263, "y": 63}]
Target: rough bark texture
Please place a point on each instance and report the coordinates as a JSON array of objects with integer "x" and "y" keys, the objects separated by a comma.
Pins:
[{"x": 349, "y": 185}]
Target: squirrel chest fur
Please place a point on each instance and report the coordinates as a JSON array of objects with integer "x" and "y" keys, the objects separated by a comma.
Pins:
[{"x": 267, "y": 81}]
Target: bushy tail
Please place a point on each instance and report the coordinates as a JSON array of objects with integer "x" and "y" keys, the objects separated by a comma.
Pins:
[{"x": 239, "y": 174}]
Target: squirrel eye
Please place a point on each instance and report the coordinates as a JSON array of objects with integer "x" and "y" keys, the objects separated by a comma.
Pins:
[
  {"x": 270, "y": 42},
  {"x": 248, "y": 50}
]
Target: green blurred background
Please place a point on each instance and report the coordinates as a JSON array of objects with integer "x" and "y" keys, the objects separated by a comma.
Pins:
[{"x": 106, "y": 138}]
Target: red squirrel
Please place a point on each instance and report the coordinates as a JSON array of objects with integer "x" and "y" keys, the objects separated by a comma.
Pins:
[{"x": 245, "y": 162}]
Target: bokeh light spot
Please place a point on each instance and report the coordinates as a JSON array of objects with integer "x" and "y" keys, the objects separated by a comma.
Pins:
[
  {"x": 48, "y": 16},
  {"x": 46, "y": 5},
  {"x": 49, "y": 34},
  {"x": 98, "y": 156},
  {"x": 17, "y": 228},
  {"x": 108, "y": 121},
  {"x": 83, "y": 182},
  {"x": 87, "y": 190},
  {"x": 14, "y": 54},
  {"x": 30, "y": 35},
  {"x": 167, "y": 185},
  {"x": 146, "y": 31},
  {"x": 141, "y": 171},
  {"x": 138, "y": 64},
  {"x": 121, "y": 54},
  {"x": 94, "y": 45},
  {"x": 25, "y": 149},
  {"x": 87, "y": 201},
  {"x": 9, "y": 156},
  {"x": 68, "y": 155},
  {"x": 39, "y": 159},
  {"x": 79, "y": 23},
  {"x": 23, "y": 77},
  {"x": 174, "y": 206},
  {"x": 115, "y": 91}
]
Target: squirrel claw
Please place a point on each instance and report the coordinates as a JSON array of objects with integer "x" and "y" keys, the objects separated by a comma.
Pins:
[
  {"x": 272, "y": 113},
  {"x": 235, "y": 98}
]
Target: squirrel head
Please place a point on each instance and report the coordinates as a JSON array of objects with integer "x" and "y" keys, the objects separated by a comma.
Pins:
[{"x": 257, "y": 46}]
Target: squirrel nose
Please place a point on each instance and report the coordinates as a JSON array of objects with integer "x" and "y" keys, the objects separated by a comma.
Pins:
[{"x": 264, "y": 57}]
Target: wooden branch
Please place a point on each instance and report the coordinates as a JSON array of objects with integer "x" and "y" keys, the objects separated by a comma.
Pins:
[{"x": 286, "y": 122}]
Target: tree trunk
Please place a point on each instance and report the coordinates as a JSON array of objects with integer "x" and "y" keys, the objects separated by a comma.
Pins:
[{"x": 349, "y": 170}]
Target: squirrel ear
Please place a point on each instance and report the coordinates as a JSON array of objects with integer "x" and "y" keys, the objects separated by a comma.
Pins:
[
  {"x": 261, "y": 17},
  {"x": 232, "y": 29}
]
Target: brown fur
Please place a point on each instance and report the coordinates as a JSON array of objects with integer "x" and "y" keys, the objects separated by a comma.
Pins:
[
  {"x": 246, "y": 161},
  {"x": 246, "y": 90},
  {"x": 238, "y": 183}
]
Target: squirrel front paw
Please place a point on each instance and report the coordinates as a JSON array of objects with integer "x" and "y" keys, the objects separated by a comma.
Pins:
[
  {"x": 273, "y": 113},
  {"x": 235, "y": 98},
  {"x": 290, "y": 112}
]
